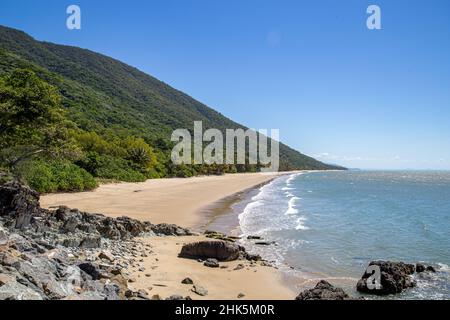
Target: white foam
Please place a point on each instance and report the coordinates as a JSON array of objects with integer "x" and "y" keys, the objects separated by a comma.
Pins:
[
  {"x": 292, "y": 177},
  {"x": 291, "y": 206},
  {"x": 300, "y": 224},
  {"x": 247, "y": 210},
  {"x": 443, "y": 267}
]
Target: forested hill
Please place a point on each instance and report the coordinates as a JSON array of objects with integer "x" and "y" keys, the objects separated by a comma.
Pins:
[{"x": 107, "y": 97}]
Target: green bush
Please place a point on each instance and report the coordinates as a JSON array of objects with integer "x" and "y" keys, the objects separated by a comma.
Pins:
[
  {"x": 117, "y": 169},
  {"x": 56, "y": 176}
]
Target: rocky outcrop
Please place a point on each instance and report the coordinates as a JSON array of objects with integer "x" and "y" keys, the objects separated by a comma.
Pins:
[
  {"x": 170, "y": 230},
  {"x": 20, "y": 204},
  {"x": 323, "y": 291},
  {"x": 66, "y": 253},
  {"x": 19, "y": 209},
  {"x": 220, "y": 236},
  {"x": 422, "y": 268},
  {"x": 394, "y": 277},
  {"x": 220, "y": 250}
]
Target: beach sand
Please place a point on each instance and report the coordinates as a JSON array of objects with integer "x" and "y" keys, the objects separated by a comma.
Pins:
[
  {"x": 182, "y": 202},
  {"x": 256, "y": 282},
  {"x": 179, "y": 200}
]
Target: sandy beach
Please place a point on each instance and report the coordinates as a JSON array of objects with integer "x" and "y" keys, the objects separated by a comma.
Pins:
[
  {"x": 178, "y": 200},
  {"x": 181, "y": 201},
  {"x": 164, "y": 272}
]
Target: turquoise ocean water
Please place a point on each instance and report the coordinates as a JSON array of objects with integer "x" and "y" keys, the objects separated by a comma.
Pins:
[{"x": 329, "y": 225}]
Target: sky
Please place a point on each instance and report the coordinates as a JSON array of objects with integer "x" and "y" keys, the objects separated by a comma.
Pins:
[{"x": 337, "y": 91}]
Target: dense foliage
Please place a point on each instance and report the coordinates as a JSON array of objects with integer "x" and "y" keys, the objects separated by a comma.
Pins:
[{"x": 66, "y": 111}]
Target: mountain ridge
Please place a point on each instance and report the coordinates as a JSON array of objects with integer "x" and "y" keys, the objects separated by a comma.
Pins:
[{"x": 102, "y": 92}]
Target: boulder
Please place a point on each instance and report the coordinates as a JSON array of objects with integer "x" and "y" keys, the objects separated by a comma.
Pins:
[
  {"x": 394, "y": 278},
  {"x": 323, "y": 291},
  {"x": 220, "y": 250},
  {"x": 431, "y": 269},
  {"x": 420, "y": 268},
  {"x": 92, "y": 269},
  {"x": 19, "y": 203},
  {"x": 17, "y": 291}
]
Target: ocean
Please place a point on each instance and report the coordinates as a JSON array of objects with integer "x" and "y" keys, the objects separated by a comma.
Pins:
[{"x": 330, "y": 225}]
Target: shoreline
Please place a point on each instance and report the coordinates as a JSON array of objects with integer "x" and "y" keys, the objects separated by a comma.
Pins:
[
  {"x": 180, "y": 201},
  {"x": 166, "y": 269}
]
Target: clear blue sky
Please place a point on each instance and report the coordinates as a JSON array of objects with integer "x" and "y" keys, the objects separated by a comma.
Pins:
[{"x": 336, "y": 90}]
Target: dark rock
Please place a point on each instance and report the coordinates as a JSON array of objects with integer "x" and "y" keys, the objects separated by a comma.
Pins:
[
  {"x": 394, "y": 278},
  {"x": 91, "y": 269},
  {"x": 323, "y": 291},
  {"x": 240, "y": 295},
  {"x": 143, "y": 294},
  {"x": 420, "y": 267},
  {"x": 187, "y": 281},
  {"x": 254, "y": 238},
  {"x": 223, "y": 251},
  {"x": 170, "y": 230},
  {"x": 42, "y": 252},
  {"x": 431, "y": 269},
  {"x": 129, "y": 293},
  {"x": 19, "y": 203},
  {"x": 211, "y": 263},
  {"x": 265, "y": 243}
]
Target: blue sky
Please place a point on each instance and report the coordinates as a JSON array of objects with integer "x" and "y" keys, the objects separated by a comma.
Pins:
[{"x": 336, "y": 90}]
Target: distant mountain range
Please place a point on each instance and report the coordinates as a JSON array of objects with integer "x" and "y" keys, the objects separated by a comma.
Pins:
[{"x": 101, "y": 92}]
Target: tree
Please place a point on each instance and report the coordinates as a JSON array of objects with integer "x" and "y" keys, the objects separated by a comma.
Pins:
[{"x": 31, "y": 119}]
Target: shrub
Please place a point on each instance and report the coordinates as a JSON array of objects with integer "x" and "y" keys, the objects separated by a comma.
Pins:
[
  {"x": 117, "y": 169},
  {"x": 56, "y": 176}
]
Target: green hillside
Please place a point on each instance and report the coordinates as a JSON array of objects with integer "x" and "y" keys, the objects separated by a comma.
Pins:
[{"x": 108, "y": 102}]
